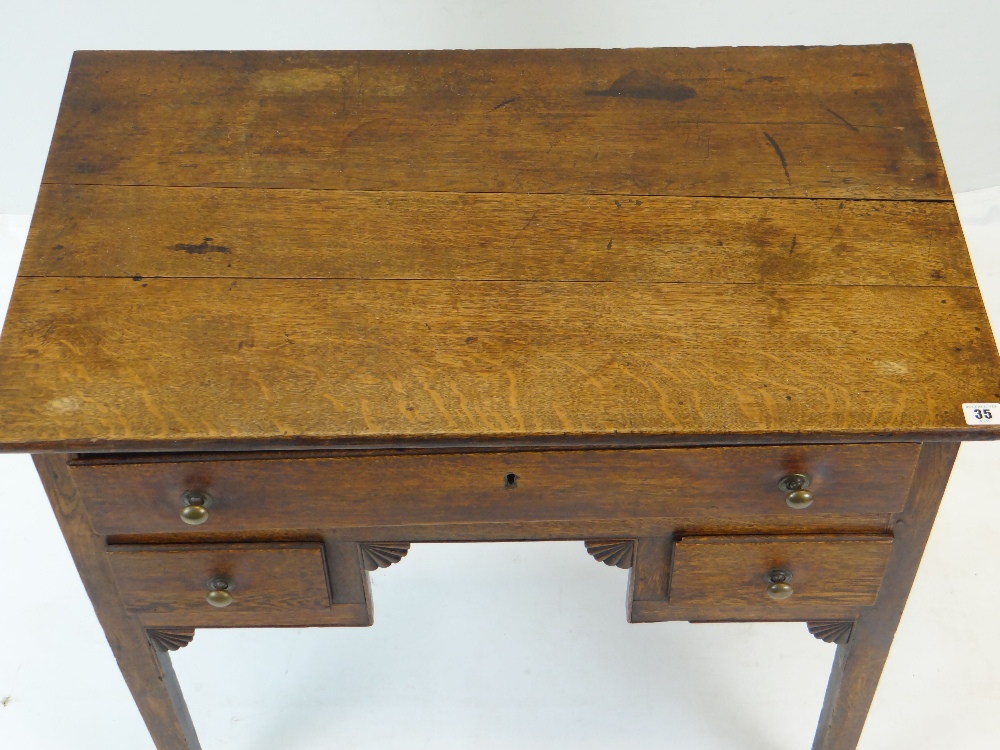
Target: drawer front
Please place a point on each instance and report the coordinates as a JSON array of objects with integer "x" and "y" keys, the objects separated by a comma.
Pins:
[
  {"x": 731, "y": 577},
  {"x": 313, "y": 493},
  {"x": 262, "y": 580}
]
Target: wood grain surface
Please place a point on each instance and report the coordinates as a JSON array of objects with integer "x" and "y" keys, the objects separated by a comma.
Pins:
[
  {"x": 844, "y": 122},
  {"x": 94, "y": 230},
  {"x": 699, "y": 484},
  {"x": 260, "y": 250},
  {"x": 117, "y": 363}
]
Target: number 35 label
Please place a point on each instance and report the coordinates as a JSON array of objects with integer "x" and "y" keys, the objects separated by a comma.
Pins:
[{"x": 981, "y": 413}]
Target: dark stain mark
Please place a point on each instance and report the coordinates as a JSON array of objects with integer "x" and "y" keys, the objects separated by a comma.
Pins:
[
  {"x": 937, "y": 275},
  {"x": 609, "y": 244},
  {"x": 57, "y": 247},
  {"x": 788, "y": 398},
  {"x": 201, "y": 248},
  {"x": 792, "y": 248},
  {"x": 617, "y": 204},
  {"x": 877, "y": 107},
  {"x": 471, "y": 339},
  {"x": 639, "y": 85},
  {"x": 410, "y": 408},
  {"x": 505, "y": 103},
  {"x": 781, "y": 156},
  {"x": 638, "y": 203},
  {"x": 137, "y": 277},
  {"x": 768, "y": 79},
  {"x": 88, "y": 168},
  {"x": 958, "y": 348},
  {"x": 145, "y": 285},
  {"x": 842, "y": 119}
]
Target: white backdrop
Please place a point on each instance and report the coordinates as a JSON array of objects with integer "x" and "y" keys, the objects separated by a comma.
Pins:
[{"x": 500, "y": 646}]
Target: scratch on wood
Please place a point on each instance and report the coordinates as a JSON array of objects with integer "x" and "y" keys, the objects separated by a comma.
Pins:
[
  {"x": 781, "y": 156},
  {"x": 527, "y": 224},
  {"x": 842, "y": 119},
  {"x": 505, "y": 103}
]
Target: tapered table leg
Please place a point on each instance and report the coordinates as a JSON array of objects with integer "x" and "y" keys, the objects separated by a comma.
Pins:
[
  {"x": 147, "y": 671},
  {"x": 858, "y": 663}
]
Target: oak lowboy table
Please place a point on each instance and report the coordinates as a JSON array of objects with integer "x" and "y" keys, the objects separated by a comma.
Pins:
[{"x": 282, "y": 314}]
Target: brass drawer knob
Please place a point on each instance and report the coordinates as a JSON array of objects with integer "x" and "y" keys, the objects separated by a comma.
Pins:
[
  {"x": 796, "y": 485},
  {"x": 780, "y": 586},
  {"x": 196, "y": 505},
  {"x": 219, "y": 592}
]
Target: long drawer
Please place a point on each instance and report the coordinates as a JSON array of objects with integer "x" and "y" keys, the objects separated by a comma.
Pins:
[{"x": 288, "y": 493}]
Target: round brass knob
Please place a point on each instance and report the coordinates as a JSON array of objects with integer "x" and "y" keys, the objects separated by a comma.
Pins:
[
  {"x": 799, "y": 499},
  {"x": 779, "y": 588},
  {"x": 196, "y": 505},
  {"x": 194, "y": 514},
  {"x": 219, "y": 594},
  {"x": 796, "y": 485},
  {"x": 219, "y": 598}
]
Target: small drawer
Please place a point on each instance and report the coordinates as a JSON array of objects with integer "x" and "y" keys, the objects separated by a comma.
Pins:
[
  {"x": 134, "y": 495},
  {"x": 776, "y": 578},
  {"x": 248, "y": 583}
]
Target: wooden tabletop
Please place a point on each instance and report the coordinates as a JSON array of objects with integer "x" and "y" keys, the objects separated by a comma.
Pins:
[{"x": 243, "y": 250}]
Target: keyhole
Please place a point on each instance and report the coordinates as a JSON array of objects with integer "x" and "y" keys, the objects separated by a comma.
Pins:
[{"x": 510, "y": 480}]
